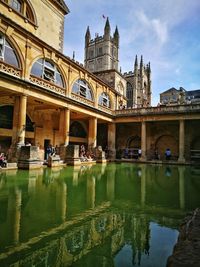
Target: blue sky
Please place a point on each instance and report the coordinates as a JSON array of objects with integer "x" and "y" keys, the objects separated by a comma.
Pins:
[{"x": 166, "y": 33}]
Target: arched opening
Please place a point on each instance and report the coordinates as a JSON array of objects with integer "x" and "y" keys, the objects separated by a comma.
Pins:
[
  {"x": 7, "y": 52},
  {"x": 134, "y": 142},
  {"x": 47, "y": 70},
  {"x": 82, "y": 88},
  {"x": 77, "y": 130},
  {"x": 104, "y": 100},
  {"x": 164, "y": 142}
]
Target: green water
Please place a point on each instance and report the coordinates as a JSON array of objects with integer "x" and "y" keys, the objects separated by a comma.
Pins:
[{"x": 102, "y": 215}]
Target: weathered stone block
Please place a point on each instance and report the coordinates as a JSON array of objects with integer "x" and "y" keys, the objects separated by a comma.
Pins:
[{"x": 29, "y": 158}]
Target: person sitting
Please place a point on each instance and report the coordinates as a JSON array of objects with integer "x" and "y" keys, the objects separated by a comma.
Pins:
[
  {"x": 3, "y": 161},
  {"x": 168, "y": 154}
]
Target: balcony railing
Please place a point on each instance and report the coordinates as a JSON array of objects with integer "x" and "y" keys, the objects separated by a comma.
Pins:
[
  {"x": 47, "y": 85},
  {"x": 105, "y": 109},
  {"x": 187, "y": 108},
  {"x": 83, "y": 100},
  {"x": 4, "y": 67}
]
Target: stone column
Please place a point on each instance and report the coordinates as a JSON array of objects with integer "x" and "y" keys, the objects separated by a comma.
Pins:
[
  {"x": 22, "y": 120},
  {"x": 64, "y": 128},
  {"x": 15, "y": 120},
  {"x": 181, "y": 141},
  {"x": 19, "y": 126},
  {"x": 143, "y": 140},
  {"x": 92, "y": 133},
  {"x": 111, "y": 140}
]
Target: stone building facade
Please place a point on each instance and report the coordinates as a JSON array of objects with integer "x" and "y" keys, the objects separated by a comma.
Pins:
[{"x": 48, "y": 98}]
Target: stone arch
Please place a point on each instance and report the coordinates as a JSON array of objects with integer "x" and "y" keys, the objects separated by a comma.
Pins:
[
  {"x": 16, "y": 49},
  {"x": 77, "y": 130},
  {"x": 59, "y": 79},
  {"x": 76, "y": 86},
  {"x": 33, "y": 13},
  {"x": 101, "y": 99},
  {"x": 166, "y": 141},
  {"x": 134, "y": 142}
]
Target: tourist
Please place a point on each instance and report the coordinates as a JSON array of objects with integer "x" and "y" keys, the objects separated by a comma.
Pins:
[
  {"x": 168, "y": 154},
  {"x": 139, "y": 152},
  {"x": 3, "y": 161},
  {"x": 48, "y": 151}
]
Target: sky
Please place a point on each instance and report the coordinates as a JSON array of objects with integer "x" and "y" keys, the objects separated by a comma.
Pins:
[{"x": 165, "y": 32}]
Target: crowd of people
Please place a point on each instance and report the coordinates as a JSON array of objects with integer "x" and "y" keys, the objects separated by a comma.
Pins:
[{"x": 86, "y": 155}]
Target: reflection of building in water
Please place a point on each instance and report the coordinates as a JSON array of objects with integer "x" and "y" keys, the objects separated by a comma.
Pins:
[{"x": 81, "y": 220}]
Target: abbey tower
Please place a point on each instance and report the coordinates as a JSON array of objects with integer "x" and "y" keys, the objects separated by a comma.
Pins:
[{"x": 102, "y": 58}]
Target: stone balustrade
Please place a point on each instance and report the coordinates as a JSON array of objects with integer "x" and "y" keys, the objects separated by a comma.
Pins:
[
  {"x": 81, "y": 99},
  {"x": 47, "y": 85},
  {"x": 187, "y": 108},
  {"x": 8, "y": 69}
]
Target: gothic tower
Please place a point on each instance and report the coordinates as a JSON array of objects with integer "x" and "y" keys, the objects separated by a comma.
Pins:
[
  {"x": 101, "y": 53},
  {"x": 139, "y": 85}
]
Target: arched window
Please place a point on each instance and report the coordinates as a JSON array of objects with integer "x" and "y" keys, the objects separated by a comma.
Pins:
[
  {"x": 129, "y": 95},
  {"x": 47, "y": 70},
  {"x": 23, "y": 7},
  {"x": 120, "y": 88},
  {"x": 104, "y": 100},
  {"x": 7, "y": 53},
  {"x": 82, "y": 88}
]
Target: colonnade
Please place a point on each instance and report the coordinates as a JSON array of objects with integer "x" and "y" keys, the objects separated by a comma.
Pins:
[{"x": 19, "y": 128}]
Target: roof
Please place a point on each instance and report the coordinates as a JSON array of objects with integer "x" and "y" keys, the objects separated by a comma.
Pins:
[
  {"x": 172, "y": 89},
  {"x": 62, "y": 5}
]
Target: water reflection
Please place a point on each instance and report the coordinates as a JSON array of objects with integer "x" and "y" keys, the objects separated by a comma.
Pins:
[{"x": 103, "y": 215}]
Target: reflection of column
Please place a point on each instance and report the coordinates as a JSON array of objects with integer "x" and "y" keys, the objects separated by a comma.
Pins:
[
  {"x": 181, "y": 171},
  {"x": 91, "y": 191},
  {"x": 143, "y": 140},
  {"x": 111, "y": 140},
  {"x": 61, "y": 201},
  {"x": 64, "y": 125},
  {"x": 22, "y": 119},
  {"x": 111, "y": 183},
  {"x": 14, "y": 215},
  {"x": 181, "y": 141},
  {"x": 92, "y": 134},
  {"x": 143, "y": 185}
]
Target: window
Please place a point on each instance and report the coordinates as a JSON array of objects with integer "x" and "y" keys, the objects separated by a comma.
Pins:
[
  {"x": 104, "y": 100},
  {"x": 91, "y": 53},
  {"x": 82, "y": 88},
  {"x": 47, "y": 70},
  {"x": 7, "y": 53},
  {"x": 100, "y": 51},
  {"x": 16, "y": 4},
  {"x": 129, "y": 95},
  {"x": 23, "y": 7}
]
